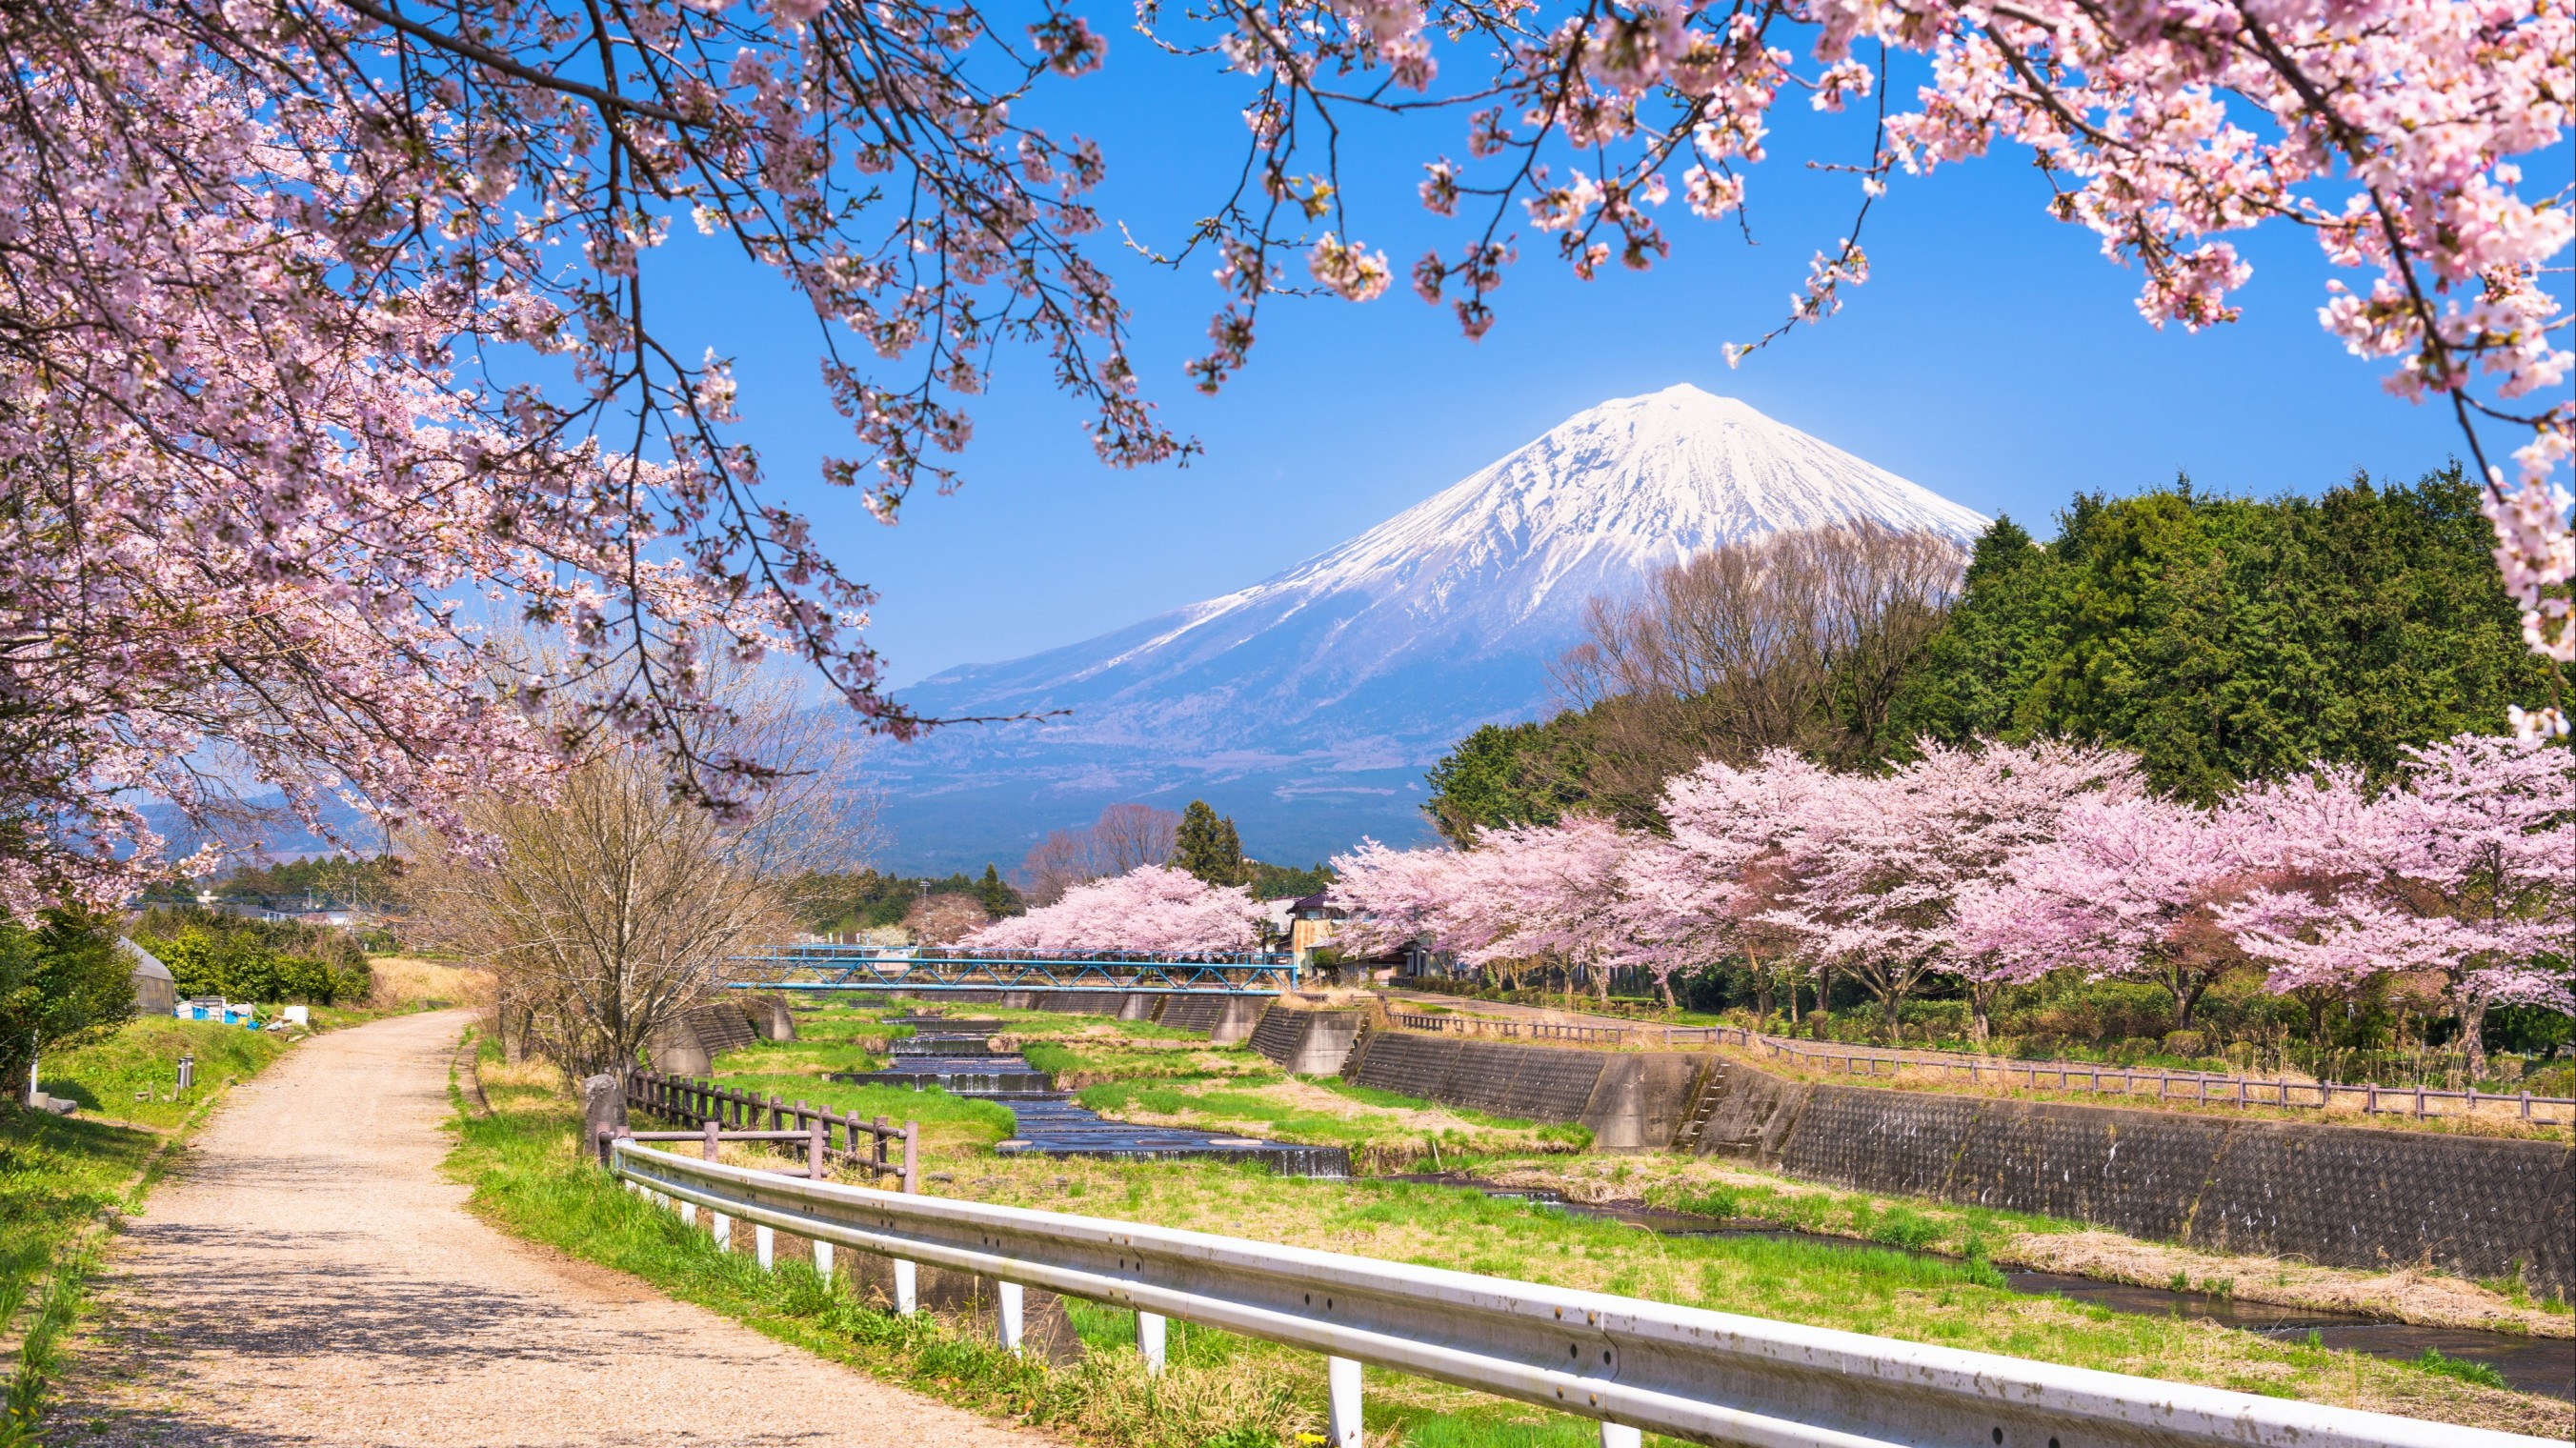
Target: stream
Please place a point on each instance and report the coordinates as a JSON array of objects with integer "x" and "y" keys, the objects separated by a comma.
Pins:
[
  {"x": 958, "y": 1057},
  {"x": 2545, "y": 1365}
]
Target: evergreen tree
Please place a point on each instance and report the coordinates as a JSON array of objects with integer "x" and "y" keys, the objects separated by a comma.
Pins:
[
  {"x": 1207, "y": 846},
  {"x": 61, "y": 983},
  {"x": 997, "y": 897},
  {"x": 2226, "y": 639}
]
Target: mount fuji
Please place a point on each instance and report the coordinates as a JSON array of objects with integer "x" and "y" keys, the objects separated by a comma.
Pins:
[{"x": 1308, "y": 705}]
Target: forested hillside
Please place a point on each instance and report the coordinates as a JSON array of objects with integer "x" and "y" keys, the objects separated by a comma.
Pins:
[{"x": 2221, "y": 639}]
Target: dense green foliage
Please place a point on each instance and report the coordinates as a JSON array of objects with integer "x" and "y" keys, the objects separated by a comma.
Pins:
[
  {"x": 214, "y": 954},
  {"x": 60, "y": 983},
  {"x": 867, "y": 900},
  {"x": 1287, "y": 882},
  {"x": 1509, "y": 774},
  {"x": 1207, "y": 846},
  {"x": 2225, "y": 639},
  {"x": 2221, "y": 638}
]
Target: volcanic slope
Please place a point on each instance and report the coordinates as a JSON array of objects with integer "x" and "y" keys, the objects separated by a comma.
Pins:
[{"x": 1308, "y": 704}]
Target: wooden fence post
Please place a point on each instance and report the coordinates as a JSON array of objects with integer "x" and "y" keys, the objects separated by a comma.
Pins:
[
  {"x": 911, "y": 1156},
  {"x": 815, "y": 1132}
]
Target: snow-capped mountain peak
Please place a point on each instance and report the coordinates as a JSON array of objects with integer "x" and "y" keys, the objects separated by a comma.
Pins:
[{"x": 1378, "y": 654}]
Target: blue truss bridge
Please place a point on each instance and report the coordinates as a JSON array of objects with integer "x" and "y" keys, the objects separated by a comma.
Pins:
[{"x": 862, "y": 967}]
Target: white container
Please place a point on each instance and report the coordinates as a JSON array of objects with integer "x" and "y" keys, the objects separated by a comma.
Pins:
[{"x": 298, "y": 1015}]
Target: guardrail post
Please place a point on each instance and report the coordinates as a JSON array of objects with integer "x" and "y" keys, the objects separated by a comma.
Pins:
[
  {"x": 823, "y": 1263},
  {"x": 1007, "y": 1302},
  {"x": 1620, "y": 1435},
  {"x": 907, "y": 1288},
  {"x": 1150, "y": 1333},
  {"x": 1342, "y": 1421},
  {"x": 720, "y": 1227},
  {"x": 764, "y": 1242}
]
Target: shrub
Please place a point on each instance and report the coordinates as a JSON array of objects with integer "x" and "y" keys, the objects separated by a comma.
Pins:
[
  {"x": 237, "y": 960},
  {"x": 2185, "y": 1043}
]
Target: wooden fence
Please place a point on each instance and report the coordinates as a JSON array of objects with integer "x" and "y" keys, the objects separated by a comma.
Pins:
[
  {"x": 2201, "y": 1088},
  {"x": 831, "y": 1137}
]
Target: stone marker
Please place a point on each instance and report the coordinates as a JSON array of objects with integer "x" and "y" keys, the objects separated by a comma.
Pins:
[{"x": 603, "y": 1111}]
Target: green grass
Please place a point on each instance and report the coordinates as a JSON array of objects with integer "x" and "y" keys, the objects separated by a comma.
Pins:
[
  {"x": 1239, "y": 1103},
  {"x": 132, "y": 1075},
  {"x": 59, "y": 1173},
  {"x": 2465, "y": 1371},
  {"x": 1960, "y": 1230},
  {"x": 527, "y": 1179}
]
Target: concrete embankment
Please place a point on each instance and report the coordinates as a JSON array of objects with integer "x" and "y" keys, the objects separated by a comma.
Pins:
[
  {"x": 2344, "y": 1196},
  {"x": 2341, "y": 1196}
]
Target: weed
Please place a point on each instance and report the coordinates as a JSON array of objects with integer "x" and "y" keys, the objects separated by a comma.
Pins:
[{"x": 2468, "y": 1372}]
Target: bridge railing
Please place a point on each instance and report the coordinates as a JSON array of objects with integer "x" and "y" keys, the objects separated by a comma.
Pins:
[
  {"x": 1631, "y": 1364},
  {"x": 850, "y": 967}
]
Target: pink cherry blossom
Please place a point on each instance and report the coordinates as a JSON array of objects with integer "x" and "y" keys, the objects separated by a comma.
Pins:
[
  {"x": 2466, "y": 869},
  {"x": 1149, "y": 910}
]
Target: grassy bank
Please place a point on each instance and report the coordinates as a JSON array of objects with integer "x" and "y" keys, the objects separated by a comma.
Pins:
[
  {"x": 1129, "y": 1071},
  {"x": 527, "y": 1178},
  {"x": 59, "y": 1175}
]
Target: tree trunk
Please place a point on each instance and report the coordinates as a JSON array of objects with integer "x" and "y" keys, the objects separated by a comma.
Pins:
[
  {"x": 1761, "y": 987},
  {"x": 1979, "y": 998},
  {"x": 2473, "y": 1034}
]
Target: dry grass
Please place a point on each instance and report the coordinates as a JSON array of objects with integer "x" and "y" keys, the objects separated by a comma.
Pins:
[
  {"x": 403, "y": 982},
  {"x": 2016, "y": 1240},
  {"x": 2497, "y": 1117},
  {"x": 1891, "y": 1294}
]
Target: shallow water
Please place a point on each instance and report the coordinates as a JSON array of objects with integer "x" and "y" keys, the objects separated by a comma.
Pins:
[
  {"x": 2543, "y": 1365},
  {"x": 1048, "y": 1123}
]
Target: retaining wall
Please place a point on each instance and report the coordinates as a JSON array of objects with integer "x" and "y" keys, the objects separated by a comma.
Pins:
[
  {"x": 1632, "y": 1101},
  {"x": 687, "y": 1043},
  {"x": 2346, "y": 1196},
  {"x": 1225, "y": 1019},
  {"x": 1307, "y": 1043}
]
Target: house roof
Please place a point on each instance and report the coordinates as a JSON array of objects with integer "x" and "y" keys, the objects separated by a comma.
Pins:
[{"x": 145, "y": 963}]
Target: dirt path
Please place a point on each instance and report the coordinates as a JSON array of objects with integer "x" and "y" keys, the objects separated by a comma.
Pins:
[{"x": 310, "y": 1278}]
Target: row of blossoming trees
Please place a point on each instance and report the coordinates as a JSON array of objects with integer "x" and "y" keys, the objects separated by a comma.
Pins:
[{"x": 1995, "y": 865}]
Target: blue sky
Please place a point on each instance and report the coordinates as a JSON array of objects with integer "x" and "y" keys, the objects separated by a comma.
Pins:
[{"x": 1995, "y": 357}]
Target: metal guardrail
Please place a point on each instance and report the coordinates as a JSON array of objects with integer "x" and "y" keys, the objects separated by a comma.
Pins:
[
  {"x": 2198, "y": 1087},
  {"x": 1692, "y": 1373},
  {"x": 858, "y": 967}
]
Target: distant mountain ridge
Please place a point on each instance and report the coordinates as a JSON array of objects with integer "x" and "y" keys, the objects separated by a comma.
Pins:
[{"x": 1308, "y": 704}]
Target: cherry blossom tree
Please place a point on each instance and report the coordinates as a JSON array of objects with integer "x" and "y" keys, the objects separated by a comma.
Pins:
[
  {"x": 1530, "y": 893},
  {"x": 279, "y": 283},
  {"x": 1391, "y": 898},
  {"x": 2130, "y": 886},
  {"x": 1705, "y": 893},
  {"x": 1884, "y": 859},
  {"x": 2465, "y": 870},
  {"x": 321, "y": 320},
  {"x": 1152, "y": 910}
]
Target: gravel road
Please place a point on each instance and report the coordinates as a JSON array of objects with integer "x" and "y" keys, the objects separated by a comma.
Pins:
[{"x": 309, "y": 1278}]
